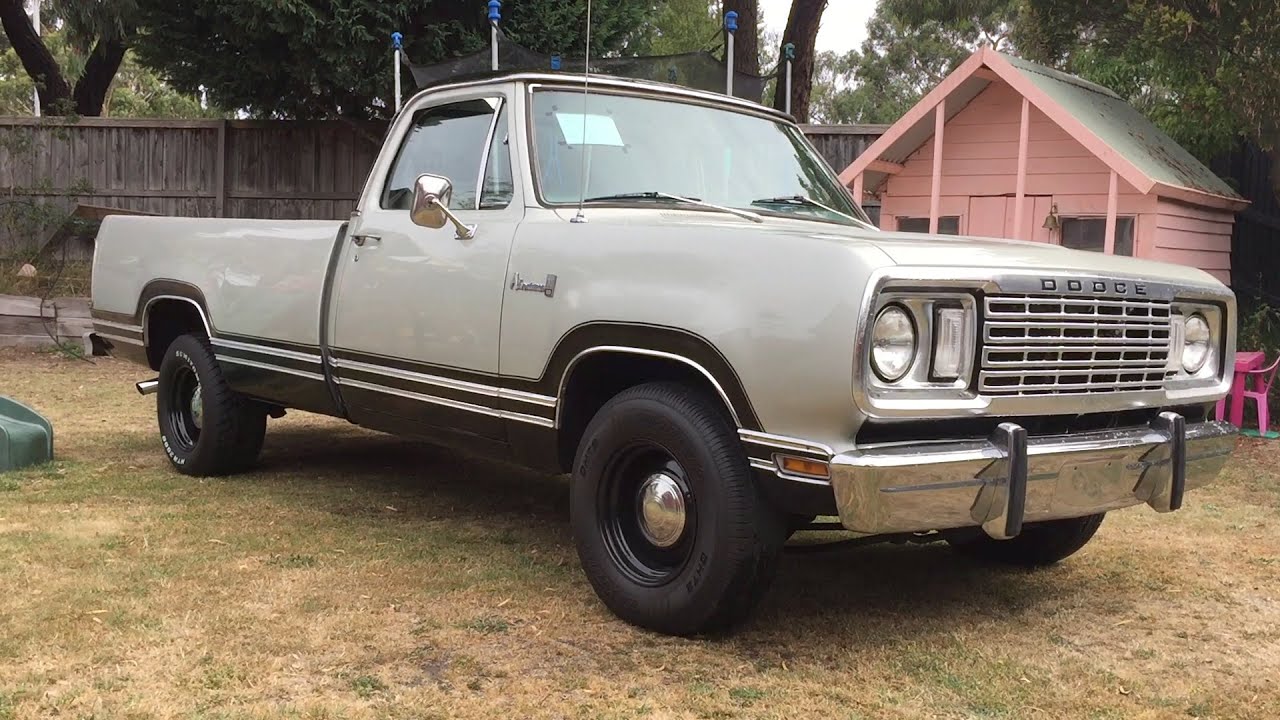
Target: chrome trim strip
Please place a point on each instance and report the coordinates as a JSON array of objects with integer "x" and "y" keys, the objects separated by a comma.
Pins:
[
  {"x": 781, "y": 442},
  {"x": 118, "y": 338},
  {"x": 118, "y": 326},
  {"x": 647, "y": 353},
  {"x": 525, "y": 397},
  {"x": 488, "y": 147},
  {"x": 533, "y": 79},
  {"x": 447, "y": 383},
  {"x": 265, "y": 366},
  {"x": 266, "y": 350},
  {"x": 445, "y": 402}
]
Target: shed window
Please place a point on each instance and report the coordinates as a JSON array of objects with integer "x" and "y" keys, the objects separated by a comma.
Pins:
[
  {"x": 947, "y": 225},
  {"x": 1091, "y": 233}
]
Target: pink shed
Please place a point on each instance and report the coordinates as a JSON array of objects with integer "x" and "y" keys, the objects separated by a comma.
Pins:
[{"x": 1007, "y": 148}]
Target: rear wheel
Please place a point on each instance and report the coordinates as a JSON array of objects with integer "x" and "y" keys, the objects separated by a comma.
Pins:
[
  {"x": 1039, "y": 544},
  {"x": 669, "y": 527},
  {"x": 206, "y": 428}
]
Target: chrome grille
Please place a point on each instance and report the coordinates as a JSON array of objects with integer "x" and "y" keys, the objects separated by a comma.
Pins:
[{"x": 1050, "y": 345}]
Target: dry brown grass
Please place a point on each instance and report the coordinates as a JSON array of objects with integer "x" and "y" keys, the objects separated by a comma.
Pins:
[{"x": 360, "y": 576}]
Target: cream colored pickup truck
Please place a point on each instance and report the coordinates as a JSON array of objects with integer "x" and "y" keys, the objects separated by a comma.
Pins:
[{"x": 668, "y": 295}]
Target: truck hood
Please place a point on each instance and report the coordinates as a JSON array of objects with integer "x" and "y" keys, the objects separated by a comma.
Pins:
[
  {"x": 962, "y": 251},
  {"x": 916, "y": 249}
]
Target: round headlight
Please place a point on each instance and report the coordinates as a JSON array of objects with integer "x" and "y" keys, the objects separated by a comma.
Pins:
[
  {"x": 1195, "y": 349},
  {"x": 893, "y": 343}
]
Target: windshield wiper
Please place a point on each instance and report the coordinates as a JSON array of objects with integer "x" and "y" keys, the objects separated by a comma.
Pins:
[
  {"x": 658, "y": 195},
  {"x": 803, "y": 200}
]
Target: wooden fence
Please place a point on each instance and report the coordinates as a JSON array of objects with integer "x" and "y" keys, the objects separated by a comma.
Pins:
[
  {"x": 203, "y": 168},
  {"x": 217, "y": 168}
]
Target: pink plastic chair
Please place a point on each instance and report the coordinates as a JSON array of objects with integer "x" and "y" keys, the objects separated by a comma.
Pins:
[{"x": 1261, "y": 381}]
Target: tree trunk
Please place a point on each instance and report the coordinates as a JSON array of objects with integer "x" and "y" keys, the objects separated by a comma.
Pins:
[
  {"x": 36, "y": 58},
  {"x": 802, "y": 30},
  {"x": 91, "y": 90},
  {"x": 746, "y": 42}
]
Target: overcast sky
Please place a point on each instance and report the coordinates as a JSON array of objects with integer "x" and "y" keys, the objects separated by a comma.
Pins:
[{"x": 844, "y": 24}]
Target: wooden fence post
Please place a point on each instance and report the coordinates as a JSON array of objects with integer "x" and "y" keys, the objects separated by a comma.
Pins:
[{"x": 220, "y": 172}]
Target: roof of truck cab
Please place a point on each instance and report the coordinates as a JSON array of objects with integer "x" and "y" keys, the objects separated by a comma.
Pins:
[{"x": 609, "y": 81}]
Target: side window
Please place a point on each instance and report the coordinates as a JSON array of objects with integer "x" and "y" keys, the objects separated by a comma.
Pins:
[
  {"x": 499, "y": 185},
  {"x": 947, "y": 225},
  {"x": 445, "y": 140},
  {"x": 1091, "y": 234}
]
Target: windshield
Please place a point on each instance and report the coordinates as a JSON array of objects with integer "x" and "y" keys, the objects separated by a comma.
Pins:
[{"x": 648, "y": 147}]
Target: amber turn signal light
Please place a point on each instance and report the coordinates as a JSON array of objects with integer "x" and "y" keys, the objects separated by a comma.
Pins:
[{"x": 802, "y": 466}]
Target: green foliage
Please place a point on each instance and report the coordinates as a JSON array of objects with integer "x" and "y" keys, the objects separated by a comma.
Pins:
[
  {"x": 681, "y": 26},
  {"x": 313, "y": 59}
]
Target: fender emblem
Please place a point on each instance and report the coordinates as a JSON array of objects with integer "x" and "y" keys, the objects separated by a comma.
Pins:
[{"x": 547, "y": 287}]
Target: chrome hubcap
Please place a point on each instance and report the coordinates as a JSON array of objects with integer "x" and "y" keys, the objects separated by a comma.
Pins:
[
  {"x": 661, "y": 510},
  {"x": 197, "y": 409}
]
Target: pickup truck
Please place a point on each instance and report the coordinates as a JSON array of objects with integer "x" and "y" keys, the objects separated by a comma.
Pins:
[{"x": 668, "y": 295}]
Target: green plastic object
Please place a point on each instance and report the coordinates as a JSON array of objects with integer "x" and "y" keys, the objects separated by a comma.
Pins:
[{"x": 26, "y": 438}]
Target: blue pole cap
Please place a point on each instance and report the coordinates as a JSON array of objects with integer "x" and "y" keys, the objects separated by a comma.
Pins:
[
  {"x": 397, "y": 40},
  {"x": 495, "y": 10},
  {"x": 789, "y": 51},
  {"x": 731, "y": 21},
  {"x": 555, "y": 62}
]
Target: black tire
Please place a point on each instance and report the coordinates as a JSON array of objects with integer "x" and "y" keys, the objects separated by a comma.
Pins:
[
  {"x": 227, "y": 435},
  {"x": 719, "y": 568},
  {"x": 1039, "y": 544}
]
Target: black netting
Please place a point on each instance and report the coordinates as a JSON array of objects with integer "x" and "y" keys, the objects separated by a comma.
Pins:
[{"x": 699, "y": 70}]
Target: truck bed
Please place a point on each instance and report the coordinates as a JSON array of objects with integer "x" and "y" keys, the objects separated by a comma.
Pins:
[{"x": 259, "y": 278}]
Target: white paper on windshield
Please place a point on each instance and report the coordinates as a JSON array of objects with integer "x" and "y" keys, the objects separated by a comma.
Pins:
[{"x": 600, "y": 129}]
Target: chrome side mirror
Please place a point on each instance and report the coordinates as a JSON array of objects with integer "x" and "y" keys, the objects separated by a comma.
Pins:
[{"x": 430, "y": 209}]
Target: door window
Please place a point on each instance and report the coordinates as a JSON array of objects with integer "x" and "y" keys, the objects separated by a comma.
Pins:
[{"x": 449, "y": 140}]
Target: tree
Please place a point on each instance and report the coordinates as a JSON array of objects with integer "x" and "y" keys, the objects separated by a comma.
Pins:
[
  {"x": 135, "y": 91},
  {"x": 316, "y": 59},
  {"x": 746, "y": 41},
  {"x": 911, "y": 46},
  {"x": 98, "y": 32},
  {"x": 802, "y": 31}
]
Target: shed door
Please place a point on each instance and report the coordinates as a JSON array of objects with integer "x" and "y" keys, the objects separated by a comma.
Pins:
[
  {"x": 987, "y": 216},
  {"x": 992, "y": 216}
]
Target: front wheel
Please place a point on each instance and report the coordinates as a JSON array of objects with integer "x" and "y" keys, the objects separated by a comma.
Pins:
[
  {"x": 1039, "y": 544},
  {"x": 667, "y": 522},
  {"x": 205, "y": 426}
]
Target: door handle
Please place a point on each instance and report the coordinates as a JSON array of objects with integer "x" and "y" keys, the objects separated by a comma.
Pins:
[{"x": 360, "y": 240}]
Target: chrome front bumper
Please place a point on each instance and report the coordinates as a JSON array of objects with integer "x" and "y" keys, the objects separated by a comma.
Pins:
[{"x": 1007, "y": 480}]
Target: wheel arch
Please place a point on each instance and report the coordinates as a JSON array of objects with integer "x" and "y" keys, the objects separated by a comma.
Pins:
[
  {"x": 593, "y": 372},
  {"x": 166, "y": 310}
]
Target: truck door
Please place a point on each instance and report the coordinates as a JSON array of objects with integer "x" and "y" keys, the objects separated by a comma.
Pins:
[{"x": 414, "y": 317}]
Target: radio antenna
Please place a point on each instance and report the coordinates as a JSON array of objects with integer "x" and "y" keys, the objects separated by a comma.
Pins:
[{"x": 586, "y": 89}]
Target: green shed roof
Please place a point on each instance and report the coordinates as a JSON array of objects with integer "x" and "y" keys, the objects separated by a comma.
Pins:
[{"x": 1124, "y": 129}]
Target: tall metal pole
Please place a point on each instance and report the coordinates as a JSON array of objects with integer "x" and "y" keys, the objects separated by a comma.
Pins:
[
  {"x": 397, "y": 41},
  {"x": 788, "y": 52},
  {"x": 731, "y": 27},
  {"x": 495, "y": 16},
  {"x": 34, "y": 12}
]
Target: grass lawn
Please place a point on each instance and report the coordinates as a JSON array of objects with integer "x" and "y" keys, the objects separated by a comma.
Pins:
[{"x": 356, "y": 575}]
